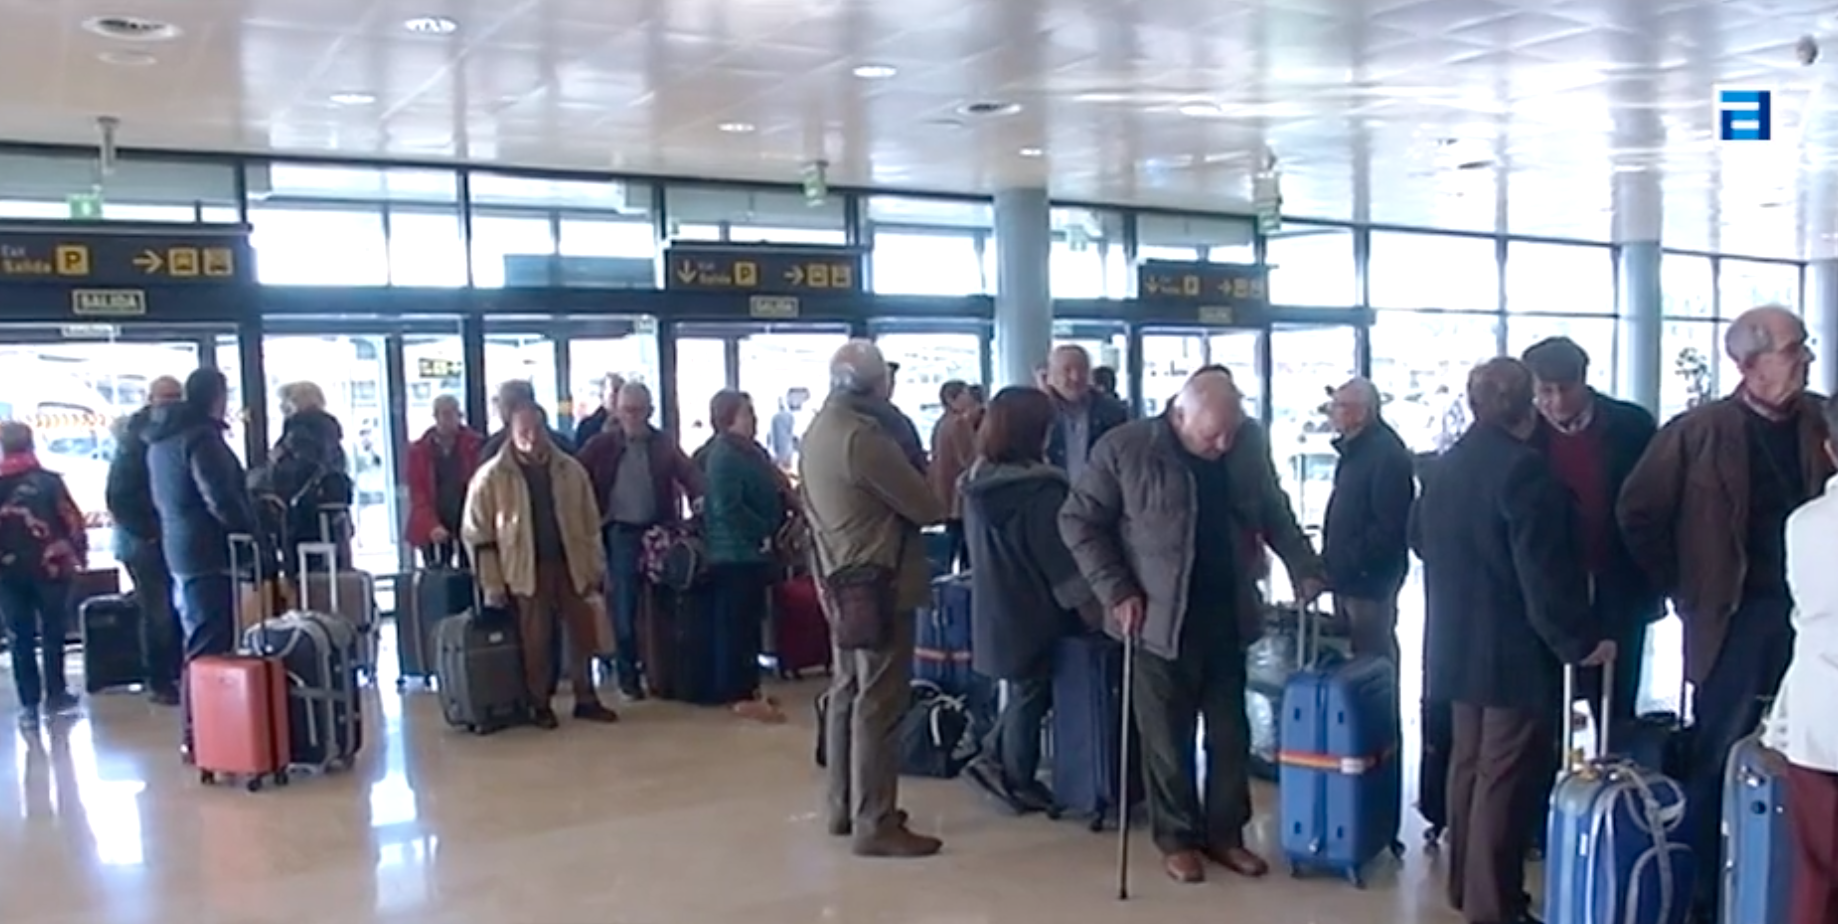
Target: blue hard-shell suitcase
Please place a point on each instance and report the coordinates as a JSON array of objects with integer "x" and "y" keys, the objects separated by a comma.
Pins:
[
  {"x": 1615, "y": 850},
  {"x": 1340, "y": 779},
  {"x": 941, "y": 648},
  {"x": 1757, "y": 840},
  {"x": 1086, "y": 722}
]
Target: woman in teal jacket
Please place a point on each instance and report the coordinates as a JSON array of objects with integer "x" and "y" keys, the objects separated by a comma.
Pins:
[{"x": 742, "y": 510}]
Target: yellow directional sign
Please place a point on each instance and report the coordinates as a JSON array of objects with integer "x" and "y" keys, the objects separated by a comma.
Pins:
[
  {"x": 790, "y": 271},
  {"x": 149, "y": 262},
  {"x": 72, "y": 260},
  {"x": 105, "y": 258},
  {"x": 1219, "y": 284}
]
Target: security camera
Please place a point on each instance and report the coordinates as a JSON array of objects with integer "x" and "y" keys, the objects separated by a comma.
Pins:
[{"x": 1806, "y": 50}]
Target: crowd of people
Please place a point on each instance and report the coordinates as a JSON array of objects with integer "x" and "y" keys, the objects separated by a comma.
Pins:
[{"x": 1551, "y": 534}]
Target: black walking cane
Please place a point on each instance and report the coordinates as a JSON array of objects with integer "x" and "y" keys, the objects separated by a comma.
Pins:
[{"x": 1123, "y": 767}]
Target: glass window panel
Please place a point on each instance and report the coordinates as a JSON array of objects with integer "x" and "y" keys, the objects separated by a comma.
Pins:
[
  {"x": 1168, "y": 359},
  {"x": 1220, "y": 240},
  {"x": 442, "y": 353},
  {"x": 631, "y": 201},
  {"x": 282, "y": 181},
  {"x": 925, "y": 263},
  {"x": 1686, "y": 286},
  {"x": 927, "y": 212},
  {"x": 1087, "y": 259},
  {"x": 756, "y": 215},
  {"x": 1312, "y": 266},
  {"x": 525, "y": 357},
  {"x": 350, "y": 370},
  {"x": 319, "y": 246},
  {"x": 509, "y": 249},
  {"x": 1595, "y": 335},
  {"x": 1409, "y": 270},
  {"x": 1145, "y": 252},
  {"x": 701, "y": 371},
  {"x": 139, "y": 189},
  {"x": 632, "y": 356},
  {"x": 1420, "y": 363},
  {"x": 1559, "y": 277},
  {"x": 927, "y": 361},
  {"x": 229, "y": 362},
  {"x": 608, "y": 254},
  {"x": 1689, "y": 354},
  {"x": 426, "y": 248},
  {"x": 787, "y": 363},
  {"x": 1745, "y": 284}
]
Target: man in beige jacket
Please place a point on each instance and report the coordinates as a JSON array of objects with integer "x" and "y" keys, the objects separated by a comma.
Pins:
[
  {"x": 866, "y": 505},
  {"x": 534, "y": 530}
]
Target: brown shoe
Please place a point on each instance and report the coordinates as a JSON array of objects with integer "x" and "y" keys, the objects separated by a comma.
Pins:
[
  {"x": 1240, "y": 861},
  {"x": 1185, "y": 866},
  {"x": 896, "y": 842},
  {"x": 843, "y": 827}
]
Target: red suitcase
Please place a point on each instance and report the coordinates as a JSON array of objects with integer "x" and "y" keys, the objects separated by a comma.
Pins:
[
  {"x": 239, "y": 719},
  {"x": 801, "y": 633}
]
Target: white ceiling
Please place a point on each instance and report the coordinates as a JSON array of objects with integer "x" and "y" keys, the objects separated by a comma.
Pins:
[{"x": 1371, "y": 106}]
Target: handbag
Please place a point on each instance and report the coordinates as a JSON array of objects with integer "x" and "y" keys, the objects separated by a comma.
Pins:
[{"x": 862, "y": 609}]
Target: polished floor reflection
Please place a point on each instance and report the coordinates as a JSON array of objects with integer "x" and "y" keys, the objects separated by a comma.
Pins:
[{"x": 674, "y": 816}]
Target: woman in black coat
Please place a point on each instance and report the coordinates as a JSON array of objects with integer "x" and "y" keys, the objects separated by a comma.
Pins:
[{"x": 1027, "y": 592}]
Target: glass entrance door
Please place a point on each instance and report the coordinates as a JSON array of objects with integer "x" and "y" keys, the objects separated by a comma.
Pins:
[
  {"x": 785, "y": 368},
  {"x": 931, "y": 354},
  {"x": 566, "y": 360},
  {"x": 73, "y": 384}
]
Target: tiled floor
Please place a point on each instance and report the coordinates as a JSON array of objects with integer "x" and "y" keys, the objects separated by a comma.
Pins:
[{"x": 674, "y": 816}]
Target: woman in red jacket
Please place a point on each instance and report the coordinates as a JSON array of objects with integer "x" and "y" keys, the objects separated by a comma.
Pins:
[{"x": 440, "y": 466}]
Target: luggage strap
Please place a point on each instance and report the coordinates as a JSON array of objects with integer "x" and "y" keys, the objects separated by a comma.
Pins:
[
  {"x": 1652, "y": 820},
  {"x": 1330, "y": 763},
  {"x": 942, "y": 655}
]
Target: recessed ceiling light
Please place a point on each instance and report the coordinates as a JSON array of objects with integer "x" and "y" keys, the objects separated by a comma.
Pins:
[
  {"x": 1031, "y": 152},
  {"x": 876, "y": 71},
  {"x": 131, "y": 28},
  {"x": 127, "y": 58},
  {"x": 737, "y": 128},
  {"x": 353, "y": 99},
  {"x": 431, "y": 25},
  {"x": 989, "y": 108}
]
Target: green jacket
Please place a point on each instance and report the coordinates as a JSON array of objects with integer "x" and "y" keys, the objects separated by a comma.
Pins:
[{"x": 742, "y": 507}]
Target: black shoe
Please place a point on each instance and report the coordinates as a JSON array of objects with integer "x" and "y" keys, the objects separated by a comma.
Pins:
[
  {"x": 595, "y": 712},
  {"x": 987, "y": 777},
  {"x": 163, "y": 697},
  {"x": 1035, "y": 796},
  {"x": 631, "y": 686},
  {"x": 544, "y": 718}
]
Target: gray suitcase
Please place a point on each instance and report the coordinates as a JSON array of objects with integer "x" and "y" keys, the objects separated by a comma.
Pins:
[
  {"x": 321, "y": 655},
  {"x": 479, "y": 667}
]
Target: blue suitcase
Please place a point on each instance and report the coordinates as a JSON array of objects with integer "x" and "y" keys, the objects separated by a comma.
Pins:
[
  {"x": 1757, "y": 840},
  {"x": 1340, "y": 777},
  {"x": 1086, "y": 721},
  {"x": 1615, "y": 850},
  {"x": 941, "y": 648}
]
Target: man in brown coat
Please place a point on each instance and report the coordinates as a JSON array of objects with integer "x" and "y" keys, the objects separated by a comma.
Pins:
[
  {"x": 866, "y": 506},
  {"x": 953, "y": 449},
  {"x": 1168, "y": 523},
  {"x": 1704, "y": 513}
]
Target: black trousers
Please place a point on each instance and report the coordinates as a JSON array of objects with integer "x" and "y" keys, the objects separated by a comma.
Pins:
[
  {"x": 1727, "y": 707},
  {"x": 737, "y": 593},
  {"x": 960, "y": 549},
  {"x": 1206, "y": 681},
  {"x": 159, "y": 621}
]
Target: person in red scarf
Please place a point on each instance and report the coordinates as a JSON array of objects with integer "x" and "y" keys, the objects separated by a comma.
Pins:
[
  {"x": 440, "y": 466},
  {"x": 43, "y": 545}
]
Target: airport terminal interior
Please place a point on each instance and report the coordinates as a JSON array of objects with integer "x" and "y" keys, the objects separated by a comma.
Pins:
[{"x": 404, "y": 199}]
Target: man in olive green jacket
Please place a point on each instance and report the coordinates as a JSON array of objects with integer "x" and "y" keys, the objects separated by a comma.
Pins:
[
  {"x": 1168, "y": 522},
  {"x": 866, "y": 505}
]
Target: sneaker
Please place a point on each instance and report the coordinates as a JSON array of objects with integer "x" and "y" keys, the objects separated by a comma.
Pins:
[{"x": 61, "y": 702}]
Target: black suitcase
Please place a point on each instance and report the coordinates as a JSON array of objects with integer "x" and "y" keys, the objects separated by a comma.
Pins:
[
  {"x": 1433, "y": 768},
  {"x": 433, "y": 595},
  {"x": 691, "y": 646},
  {"x": 1087, "y": 720},
  {"x": 112, "y": 655}
]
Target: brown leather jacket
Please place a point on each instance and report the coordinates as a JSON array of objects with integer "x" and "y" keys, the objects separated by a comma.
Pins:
[
  {"x": 953, "y": 449},
  {"x": 1684, "y": 511}
]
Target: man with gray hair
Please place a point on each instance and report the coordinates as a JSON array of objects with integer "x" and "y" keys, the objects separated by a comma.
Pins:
[
  {"x": 1082, "y": 415},
  {"x": 1364, "y": 541},
  {"x": 1705, "y": 513},
  {"x": 866, "y": 505},
  {"x": 129, "y": 496}
]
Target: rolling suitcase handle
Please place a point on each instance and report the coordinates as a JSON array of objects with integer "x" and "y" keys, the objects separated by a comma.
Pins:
[
  {"x": 246, "y": 542},
  {"x": 1123, "y": 767},
  {"x": 1601, "y": 726},
  {"x": 329, "y": 552}
]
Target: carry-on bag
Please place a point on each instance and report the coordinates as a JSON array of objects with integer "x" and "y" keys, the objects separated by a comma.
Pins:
[
  {"x": 1340, "y": 783},
  {"x": 935, "y": 738},
  {"x": 1087, "y": 726},
  {"x": 479, "y": 669},
  {"x": 238, "y": 704},
  {"x": 320, "y": 652},
  {"x": 112, "y": 656},
  {"x": 683, "y": 661},
  {"x": 800, "y": 633},
  {"x": 941, "y": 647},
  {"x": 1615, "y": 848},
  {"x": 1438, "y": 737},
  {"x": 434, "y": 593},
  {"x": 1270, "y": 661},
  {"x": 1757, "y": 837}
]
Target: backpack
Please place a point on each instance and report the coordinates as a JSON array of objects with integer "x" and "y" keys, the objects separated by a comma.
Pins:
[
  {"x": 34, "y": 536},
  {"x": 935, "y": 736}
]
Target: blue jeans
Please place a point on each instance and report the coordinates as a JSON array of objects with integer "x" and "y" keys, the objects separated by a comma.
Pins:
[
  {"x": 207, "y": 612},
  {"x": 36, "y": 612},
  {"x": 623, "y": 546}
]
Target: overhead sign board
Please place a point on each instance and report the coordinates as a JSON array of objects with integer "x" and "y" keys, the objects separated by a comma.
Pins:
[
  {"x": 97, "y": 257},
  {"x": 1223, "y": 284},
  {"x": 778, "y": 271}
]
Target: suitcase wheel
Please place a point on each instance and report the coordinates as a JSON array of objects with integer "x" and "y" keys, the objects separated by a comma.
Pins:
[
  {"x": 206, "y": 777},
  {"x": 1358, "y": 880},
  {"x": 254, "y": 784},
  {"x": 1397, "y": 849},
  {"x": 1097, "y": 823},
  {"x": 1295, "y": 872},
  {"x": 281, "y": 778}
]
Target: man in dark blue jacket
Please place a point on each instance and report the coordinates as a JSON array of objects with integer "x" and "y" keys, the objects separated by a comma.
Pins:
[
  {"x": 200, "y": 491},
  {"x": 1364, "y": 534},
  {"x": 137, "y": 543},
  {"x": 1084, "y": 414}
]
